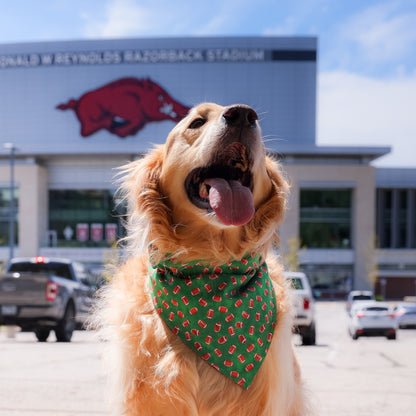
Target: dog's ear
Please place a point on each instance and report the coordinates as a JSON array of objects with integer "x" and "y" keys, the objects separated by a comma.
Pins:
[
  {"x": 268, "y": 216},
  {"x": 147, "y": 209}
]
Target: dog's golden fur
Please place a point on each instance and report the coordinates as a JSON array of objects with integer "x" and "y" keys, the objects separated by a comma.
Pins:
[{"x": 152, "y": 371}]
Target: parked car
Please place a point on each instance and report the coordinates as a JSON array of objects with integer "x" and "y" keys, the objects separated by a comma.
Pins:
[
  {"x": 369, "y": 318},
  {"x": 40, "y": 294},
  {"x": 358, "y": 295},
  {"x": 304, "y": 320},
  {"x": 405, "y": 314}
]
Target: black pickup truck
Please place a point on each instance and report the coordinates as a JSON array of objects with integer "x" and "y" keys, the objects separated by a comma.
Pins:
[{"x": 42, "y": 294}]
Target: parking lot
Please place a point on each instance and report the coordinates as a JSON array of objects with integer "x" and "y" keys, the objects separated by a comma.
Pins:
[
  {"x": 370, "y": 376},
  {"x": 366, "y": 377}
]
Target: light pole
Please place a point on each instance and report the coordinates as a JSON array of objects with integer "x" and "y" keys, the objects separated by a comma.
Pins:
[{"x": 12, "y": 149}]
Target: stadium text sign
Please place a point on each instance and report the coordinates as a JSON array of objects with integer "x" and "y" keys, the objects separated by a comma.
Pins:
[{"x": 142, "y": 56}]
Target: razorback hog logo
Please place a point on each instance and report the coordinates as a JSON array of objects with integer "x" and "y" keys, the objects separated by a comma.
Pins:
[{"x": 123, "y": 107}]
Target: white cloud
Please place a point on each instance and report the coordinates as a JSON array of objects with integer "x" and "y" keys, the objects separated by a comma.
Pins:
[
  {"x": 288, "y": 27},
  {"x": 218, "y": 17},
  {"x": 122, "y": 18},
  {"x": 357, "y": 110},
  {"x": 213, "y": 26},
  {"x": 381, "y": 33}
]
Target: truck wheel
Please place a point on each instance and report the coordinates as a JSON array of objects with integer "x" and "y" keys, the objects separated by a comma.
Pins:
[
  {"x": 42, "y": 334},
  {"x": 66, "y": 326},
  {"x": 309, "y": 336}
]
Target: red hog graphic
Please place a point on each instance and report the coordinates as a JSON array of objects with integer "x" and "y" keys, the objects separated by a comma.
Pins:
[{"x": 123, "y": 107}]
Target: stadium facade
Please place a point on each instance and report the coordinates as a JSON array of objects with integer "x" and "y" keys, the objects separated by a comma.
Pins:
[{"x": 76, "y": 111}]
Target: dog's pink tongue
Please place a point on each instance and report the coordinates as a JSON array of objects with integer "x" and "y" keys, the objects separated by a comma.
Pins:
[{"x": 232, "y": 202}]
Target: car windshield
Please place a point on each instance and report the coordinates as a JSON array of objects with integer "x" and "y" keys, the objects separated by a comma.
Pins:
[
  {"x": 52, "y": 268},
  {"x": 297, "y": 283}
]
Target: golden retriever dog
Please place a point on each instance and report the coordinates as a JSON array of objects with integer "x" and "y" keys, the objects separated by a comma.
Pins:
[{"x": 198, "y": 318}]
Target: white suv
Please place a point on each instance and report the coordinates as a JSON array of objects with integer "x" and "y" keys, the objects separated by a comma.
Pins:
[{"x": 304, "y": 307}]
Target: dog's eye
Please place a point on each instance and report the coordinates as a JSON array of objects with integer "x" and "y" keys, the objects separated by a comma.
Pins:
[{"x": 197, "y": 123}]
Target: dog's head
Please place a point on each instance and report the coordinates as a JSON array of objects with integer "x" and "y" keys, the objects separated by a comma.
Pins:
[{"x": 209, "y": 191}]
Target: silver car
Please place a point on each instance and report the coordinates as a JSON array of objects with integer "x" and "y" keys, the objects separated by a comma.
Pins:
[
  {"x": 406, "y": 314},
  {"x": 372, "y": 318}
]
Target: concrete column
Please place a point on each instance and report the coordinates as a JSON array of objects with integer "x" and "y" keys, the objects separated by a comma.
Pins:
[
  {"x": 33, "y": 208},
  {"x": 289, "y": 229},
  {"x": 364, "y": 227}
]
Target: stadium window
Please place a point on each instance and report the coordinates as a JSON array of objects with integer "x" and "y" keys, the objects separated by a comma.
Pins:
[
  {"x": 5, "y": 216},
  {"x": 402, "y": 218},
  {"x": 396, "y": 218},
  {"x": 412, "y": 219},
  {"x": 85, "y": 218},
  {"x": 325, "y": 218}
]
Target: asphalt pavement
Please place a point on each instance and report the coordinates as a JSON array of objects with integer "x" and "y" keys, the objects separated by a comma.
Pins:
[
  {"x": 59, "y": 379},
  {"x": 371, "y": 376},
  {"x": 367, "y": 377}
]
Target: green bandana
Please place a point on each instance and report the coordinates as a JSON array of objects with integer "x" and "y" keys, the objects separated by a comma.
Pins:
[{"x": 227, "y": 313}]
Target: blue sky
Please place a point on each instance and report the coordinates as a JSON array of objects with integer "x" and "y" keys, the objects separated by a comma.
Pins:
[{"x": 367, "y": 50}]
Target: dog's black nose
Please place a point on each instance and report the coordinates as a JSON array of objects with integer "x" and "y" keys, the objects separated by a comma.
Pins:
[{"x": 240, "y": 115}]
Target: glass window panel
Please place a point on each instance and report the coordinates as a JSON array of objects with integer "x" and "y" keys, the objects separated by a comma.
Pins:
[
  {"x": 5, "y": 215},
  {"x": 413, "y": 218},
  {"x": 325, "y": 218},
  {"x": 392, "y": 218},
  {"x": 85, "y": 218},
  {"x": 387, "y": 218},
  {"x": 325, "y": 278},
  {"x": 402, "y": 220}
]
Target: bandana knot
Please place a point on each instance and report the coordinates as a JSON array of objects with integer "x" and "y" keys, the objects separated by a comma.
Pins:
[{"x": 225, "y": 313}]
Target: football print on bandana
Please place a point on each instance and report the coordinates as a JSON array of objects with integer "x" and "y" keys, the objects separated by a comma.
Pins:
[{"x": 226, "y": 313}]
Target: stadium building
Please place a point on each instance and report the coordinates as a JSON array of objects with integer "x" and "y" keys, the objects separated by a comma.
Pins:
[{"x": 73, "y": 112}]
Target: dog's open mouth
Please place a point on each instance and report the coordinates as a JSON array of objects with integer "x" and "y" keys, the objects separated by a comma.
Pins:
[{"x": 225, "y": 186}]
